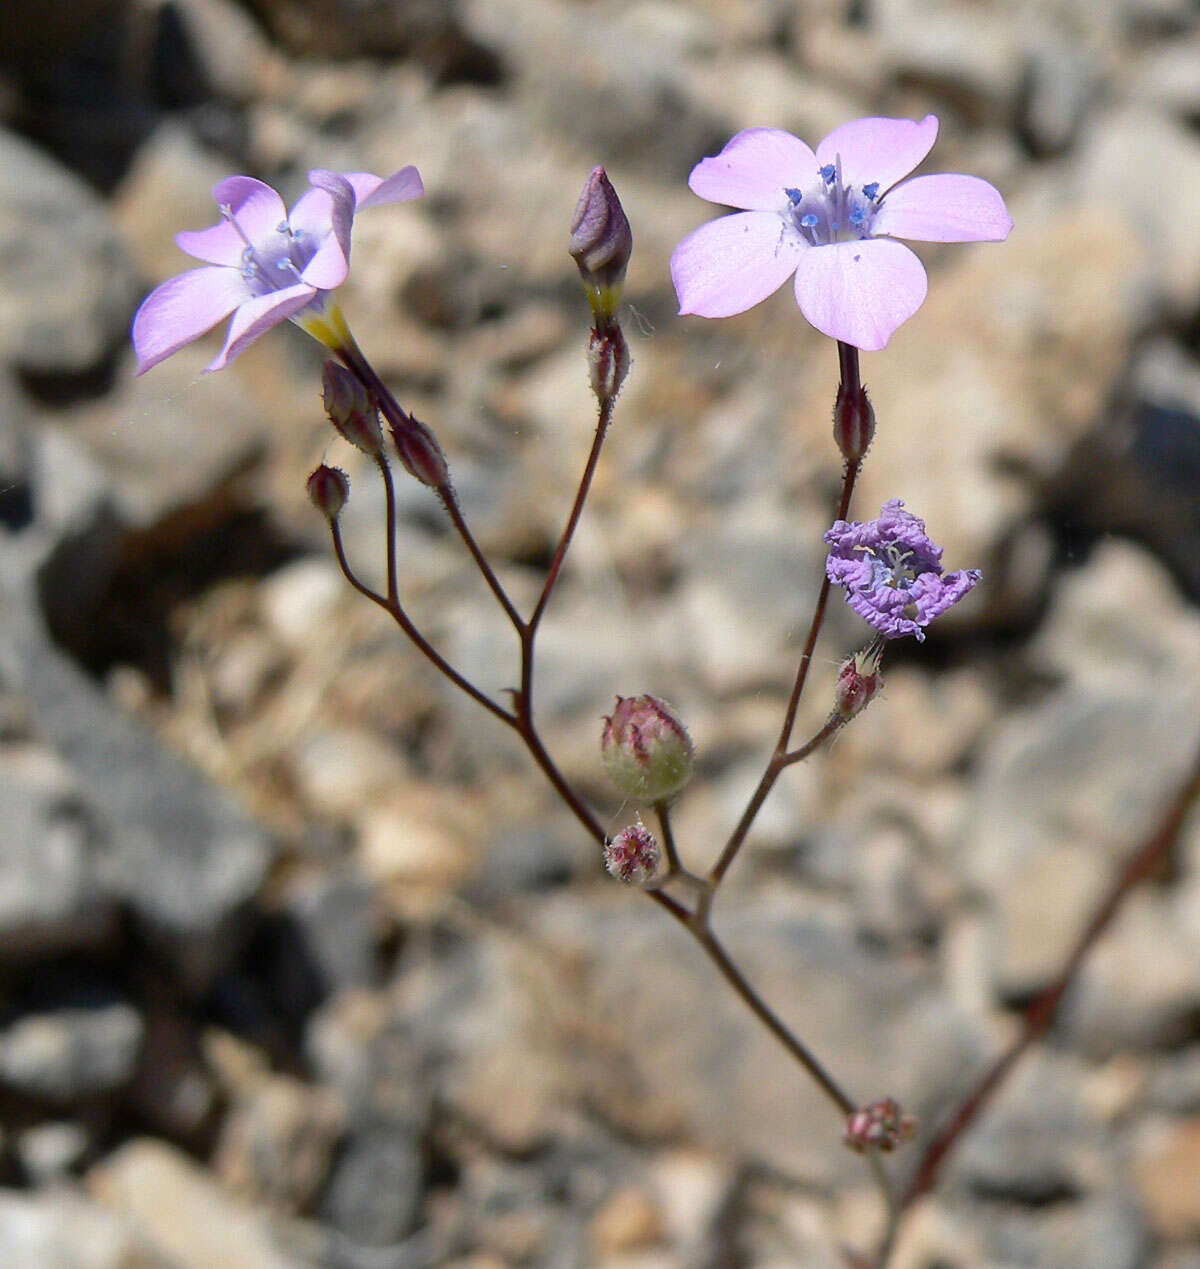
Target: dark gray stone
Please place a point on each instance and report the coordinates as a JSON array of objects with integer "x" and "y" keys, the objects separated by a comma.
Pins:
[{"x": 69, "y": 288}]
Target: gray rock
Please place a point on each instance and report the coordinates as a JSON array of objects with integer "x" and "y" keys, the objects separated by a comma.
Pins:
[
  {"x": 183, "y": 858},
  {"x": 376, "y": 1186},
  {"x": 52, "y": 892},
  {"x": 71, "y": 1053},
  {"x": 1036, "y": 1145},
  {"x": 67, "y": 285}
]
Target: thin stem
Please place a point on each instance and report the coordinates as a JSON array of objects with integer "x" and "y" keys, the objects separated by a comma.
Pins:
[
  {"x": 663, "y": 811},
  {"x": 450, "y": 502},
  {"x": 392, "y": 607},
  {"x": 396, "y": 415},
  {"x": 779, "y": 757},
  {"x": 564, "y": 542},
  {"x": 533, "y": 742},
  {"x": 530, "y": 629},
  {"x": 769, "y": 1018},
  {"x": 832, "y": 724},
  {"x": 1040, "y": 1013},
  {"x": 389, "y": 491}
]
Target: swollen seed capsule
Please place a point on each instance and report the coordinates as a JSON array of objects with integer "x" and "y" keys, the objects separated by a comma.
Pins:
[{"x": 646, "y": 749}]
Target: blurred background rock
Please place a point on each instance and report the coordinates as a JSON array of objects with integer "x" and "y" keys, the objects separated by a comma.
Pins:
[{"x": 299, "y": 962}]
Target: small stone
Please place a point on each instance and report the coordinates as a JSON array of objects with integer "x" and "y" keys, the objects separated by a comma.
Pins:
[
  {"x": 71, "y": 1053},
  {"x": 628, "y": 1221},
  {"x": 180, "y": 1212}
]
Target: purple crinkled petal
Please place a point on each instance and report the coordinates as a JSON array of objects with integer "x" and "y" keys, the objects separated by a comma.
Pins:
[
  {"x": 257, "y": 316},
  {"x": 374, "y": 191},
  {"x": 182, "y": 309},
  {"x": 859, "y": 292},
  {"x": 754, "y": 169},
  {"x": 878, "y": 150},
  {"x": 730, "y": 264},
  {"x": 946, "y": 208}
]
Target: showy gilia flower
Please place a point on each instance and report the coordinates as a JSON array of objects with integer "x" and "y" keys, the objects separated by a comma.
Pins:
[
  {"x": 893, "y": 573},
  {"x": 832, "y": 218},
  {"x": 264, "y": 265}
]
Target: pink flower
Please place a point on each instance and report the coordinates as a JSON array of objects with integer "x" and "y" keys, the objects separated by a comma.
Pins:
[
  {"x": 832, "y": 218},
  {"x": 265, "y": 265}
]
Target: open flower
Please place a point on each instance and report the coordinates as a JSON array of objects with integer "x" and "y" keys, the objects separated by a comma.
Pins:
[
  {"x": 265, "y": 265},
  {"x": 893, "y": 573},
  {"x": 832, "y": 218}
]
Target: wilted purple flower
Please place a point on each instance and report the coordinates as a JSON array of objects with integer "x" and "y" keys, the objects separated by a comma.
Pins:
[
  {"x": 892, "y": 572},
  {"x": 831, "y": 217},
  {"x": 265, "y": 265}
]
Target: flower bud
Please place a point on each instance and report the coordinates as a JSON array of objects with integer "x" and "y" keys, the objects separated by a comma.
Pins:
[
  {"x": 857, "y": 682},
  {"x": 608, "y": 361},
  {"x": 420, "y": 452},
  {"x": 632, "y": 856},
  {"x": 853, "y": 423},
  {"x": 350, "y": 408},
  {"x": 646, "y": 749},
  {"x": 328, "y": 488},
  {"x": 880, "y": 1126},
  {"x": 601, "y": 243}
]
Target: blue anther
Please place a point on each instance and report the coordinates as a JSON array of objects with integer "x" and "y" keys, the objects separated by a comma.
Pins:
[
  {"x": 795, "y": 196},
  {"x": 870, "y": 191},
  {"x": 808, "y": 220},
  {"x": 828, "y": 173},
  {"x": 857, "y": 216}
]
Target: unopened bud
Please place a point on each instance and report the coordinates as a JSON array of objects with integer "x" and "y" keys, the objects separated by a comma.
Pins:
[
  {"x": 880, "y": 1126},
  {"x": 420, "y": 452},
  {"x": 328, "y": 488},
  {"x": 853, "y": 423},
  {"x": 350, "y": 408},
  {"x": 857, "y": 682},
  {"x": 601, "y": 243},
  {"x": 608, "y": 361},
  {"x": 632, "y": 856},
  {"x": 646, "y": 749}
]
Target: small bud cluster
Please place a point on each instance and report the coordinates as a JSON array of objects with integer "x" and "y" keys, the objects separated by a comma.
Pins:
[
  {"x": 632, "y": 856},
  {"x": 858, "y": 681},
  {"x": 328, "y": 488},
  {"x": 880, "y": 1126},
  {"x": 853, "y": 422},
  {"x": 646, "y": 749}
]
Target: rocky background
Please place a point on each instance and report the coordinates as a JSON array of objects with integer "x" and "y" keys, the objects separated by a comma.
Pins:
[{"x": 300, "y": 965}]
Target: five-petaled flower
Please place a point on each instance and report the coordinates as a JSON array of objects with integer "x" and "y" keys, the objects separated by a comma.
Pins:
[
  {"x": 892, "y": 572},
  {"x": 265, "y": 265},
  {"x": 832, "y": 217}
]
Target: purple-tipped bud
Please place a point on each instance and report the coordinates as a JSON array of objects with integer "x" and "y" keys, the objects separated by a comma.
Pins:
[
  {"x": 853, "y": 423},
  {"x": 632, "y": 856},
  {"x": 601, "y": 243},
  {"x": 646, "y": 749},
  {"x": 880, "y": 1126},
  {"x": 857, "y": 682},
  {"x": 420, "y": 452},
  {"x": 350, "y": 408},
  {"x": 328, "y": 488},
  {"x": 608, "y": 361}
]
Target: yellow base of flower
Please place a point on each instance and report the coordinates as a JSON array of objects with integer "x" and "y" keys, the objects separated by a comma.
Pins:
[{"x": 327, "y": 326}]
